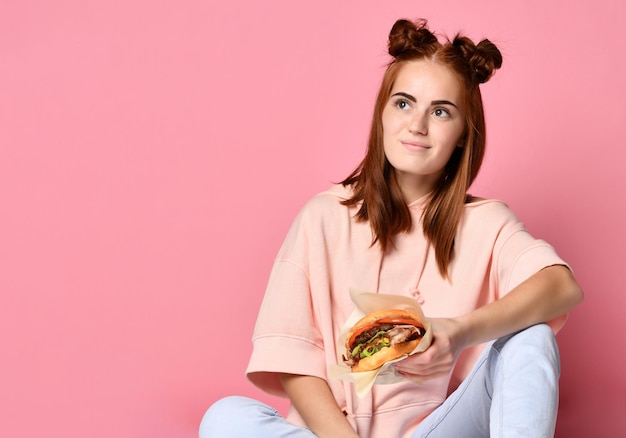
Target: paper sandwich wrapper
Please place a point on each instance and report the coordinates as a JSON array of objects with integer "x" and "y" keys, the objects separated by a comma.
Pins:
[{"x": 366, "y": 303}]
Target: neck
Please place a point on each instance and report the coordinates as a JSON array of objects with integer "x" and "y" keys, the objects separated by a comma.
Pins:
[{"x": 415, "y": 187}]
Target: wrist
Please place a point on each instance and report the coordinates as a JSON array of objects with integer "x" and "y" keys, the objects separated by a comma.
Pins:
[{"x": 465, "y": 331}]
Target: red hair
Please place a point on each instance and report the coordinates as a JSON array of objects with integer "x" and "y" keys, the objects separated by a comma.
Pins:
[{"x": 374, "y": 183}]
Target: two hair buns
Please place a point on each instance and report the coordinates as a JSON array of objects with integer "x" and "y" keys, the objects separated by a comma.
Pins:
[{"x": 409, "y": 39}]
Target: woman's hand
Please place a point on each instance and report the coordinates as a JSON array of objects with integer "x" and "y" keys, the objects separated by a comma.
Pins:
[{"x": 439, "y": 358}]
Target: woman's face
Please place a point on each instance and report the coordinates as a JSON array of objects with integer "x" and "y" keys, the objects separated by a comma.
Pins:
[{"x": 423, "y": 122}]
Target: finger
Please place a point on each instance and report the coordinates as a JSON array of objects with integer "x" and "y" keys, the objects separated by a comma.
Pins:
[
  {"x": 425, "y": 361},
  {"x": 428, "y": 376},
  {"x": 424, "y": 357},
  {"x": 424, "y": 370}
]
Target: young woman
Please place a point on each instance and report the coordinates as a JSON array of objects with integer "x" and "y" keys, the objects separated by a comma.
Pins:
[{"x": 403, "y": 223}]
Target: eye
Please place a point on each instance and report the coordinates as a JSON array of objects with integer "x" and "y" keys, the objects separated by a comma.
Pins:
[
  {"x": 402, "y": 104},
  {"x": 441, "y": 112}
]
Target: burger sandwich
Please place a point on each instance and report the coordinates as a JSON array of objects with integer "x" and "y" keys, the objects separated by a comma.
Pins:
[{"x": 382, "y": 336}]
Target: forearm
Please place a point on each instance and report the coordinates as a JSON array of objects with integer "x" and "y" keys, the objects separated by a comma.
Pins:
[
  {"x": 549, "y": 293},
  {"x": 315, "y": 403}
]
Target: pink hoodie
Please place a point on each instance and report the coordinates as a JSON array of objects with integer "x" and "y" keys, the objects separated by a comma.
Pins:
[{"x": 326, "y": 253}]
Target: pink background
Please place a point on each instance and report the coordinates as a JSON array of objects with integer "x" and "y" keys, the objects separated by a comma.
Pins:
[{"x": 153, "y": 154}]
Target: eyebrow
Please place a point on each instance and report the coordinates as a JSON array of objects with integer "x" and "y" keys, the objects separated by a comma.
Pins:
[
  {"x": 406, "y": 95},
  {"x": 414, "y": 100},
  {"x": 443, "y": 102}
]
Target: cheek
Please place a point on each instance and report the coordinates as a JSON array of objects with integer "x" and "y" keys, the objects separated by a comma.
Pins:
[
  {"x": 391, "y": 122},
  {"x": 455, "y": 135},
  {"x": 384, "y": 122}
]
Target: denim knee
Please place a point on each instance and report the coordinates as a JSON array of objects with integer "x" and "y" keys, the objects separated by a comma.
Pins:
[
  {"x": 537, "y": 341},
  {"x": 224, "y": 415}
]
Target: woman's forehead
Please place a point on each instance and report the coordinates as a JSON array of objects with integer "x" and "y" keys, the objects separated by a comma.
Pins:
[{"x": 428, "y": 79}]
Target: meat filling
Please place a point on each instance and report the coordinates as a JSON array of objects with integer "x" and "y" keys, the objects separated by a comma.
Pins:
[{"x": 379, "y": 337}]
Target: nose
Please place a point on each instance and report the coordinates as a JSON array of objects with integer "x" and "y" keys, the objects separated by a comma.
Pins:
[{"x": 418, "y": 124}]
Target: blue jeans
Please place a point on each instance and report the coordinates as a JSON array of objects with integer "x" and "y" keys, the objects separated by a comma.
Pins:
[{"x": 512, "y": 391}]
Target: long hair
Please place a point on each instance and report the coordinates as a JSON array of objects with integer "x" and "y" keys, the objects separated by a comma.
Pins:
[{"x": 374, "y": 182}]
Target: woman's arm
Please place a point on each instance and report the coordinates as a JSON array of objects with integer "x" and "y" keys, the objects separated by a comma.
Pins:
[
  {"x": 315, "y": 403},
  {"x": 549, "y": 293}
]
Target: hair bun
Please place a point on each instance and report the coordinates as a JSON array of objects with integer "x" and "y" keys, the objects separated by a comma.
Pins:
[
  {"x": 483, "y": 59},
  {"x": 409, "y": 38}
]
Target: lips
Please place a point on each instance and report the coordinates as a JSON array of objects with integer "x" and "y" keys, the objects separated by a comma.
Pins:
[{"x": 415, "y": 146}]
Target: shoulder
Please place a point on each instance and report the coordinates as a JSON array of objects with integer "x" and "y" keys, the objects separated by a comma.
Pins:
[
  {"x": 488, "y": 216},
  {"x": 322, "y": 219},
  {"x": 327, "y": 203},
  {"x": 335, "y": 193},
  {"x": 323, "y": 212},
  {"x": 486, "y": 209},
  {"x": 485, "y": 226}
]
